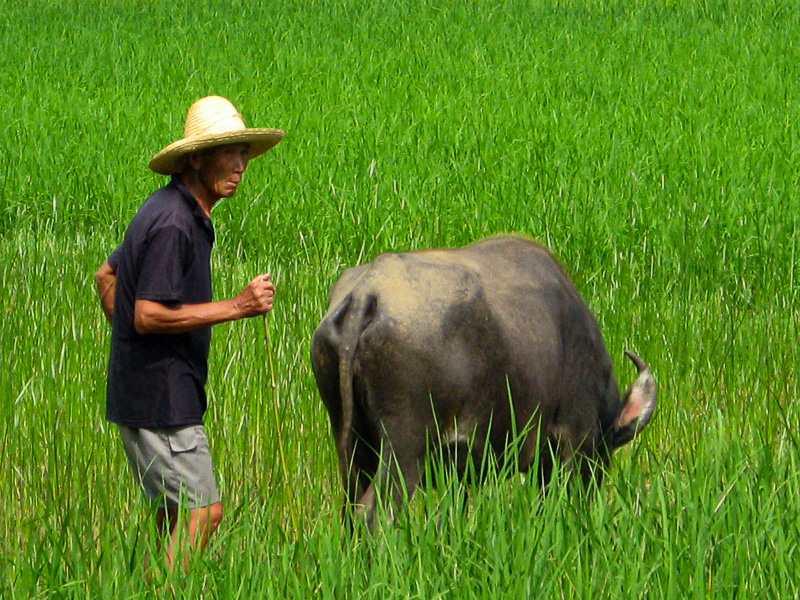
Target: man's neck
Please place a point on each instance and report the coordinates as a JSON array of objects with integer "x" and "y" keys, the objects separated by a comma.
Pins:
[{"x": 201, "y": 193}]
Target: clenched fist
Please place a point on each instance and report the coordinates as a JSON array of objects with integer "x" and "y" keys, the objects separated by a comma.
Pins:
[{"x": 256, "y": 297}]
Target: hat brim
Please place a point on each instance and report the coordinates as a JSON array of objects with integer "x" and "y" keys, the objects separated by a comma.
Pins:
[{"x": 172, "y": 158}]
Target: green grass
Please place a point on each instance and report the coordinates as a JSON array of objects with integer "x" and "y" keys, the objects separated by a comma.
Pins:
[{"x": 654, "y": 148}]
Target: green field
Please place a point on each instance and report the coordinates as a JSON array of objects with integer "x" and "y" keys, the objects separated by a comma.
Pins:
[{"x": 653, "y": 146}]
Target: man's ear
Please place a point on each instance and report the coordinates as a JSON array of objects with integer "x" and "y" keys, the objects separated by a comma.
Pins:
[{"x": 195, "y": 159}]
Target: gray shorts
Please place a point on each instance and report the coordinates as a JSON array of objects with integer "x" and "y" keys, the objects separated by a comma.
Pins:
[{"x": 172, "y": 465}]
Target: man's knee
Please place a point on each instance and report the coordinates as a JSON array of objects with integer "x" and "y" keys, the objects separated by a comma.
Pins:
[
  {"x": 205, "y": 519},
  {"x": 214, "y": 515}
]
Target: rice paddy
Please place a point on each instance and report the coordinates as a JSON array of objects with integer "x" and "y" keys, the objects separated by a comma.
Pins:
[{"x": 653, "y": 146}]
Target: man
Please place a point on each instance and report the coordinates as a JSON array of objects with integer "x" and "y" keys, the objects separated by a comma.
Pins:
[{"x": 155, "y": 289}]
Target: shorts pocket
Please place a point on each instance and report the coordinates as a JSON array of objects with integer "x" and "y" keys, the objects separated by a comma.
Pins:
[{"x": 185, "y": 439}]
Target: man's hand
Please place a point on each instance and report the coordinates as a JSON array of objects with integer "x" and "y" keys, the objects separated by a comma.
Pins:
[{"x": 256, "y": 297}]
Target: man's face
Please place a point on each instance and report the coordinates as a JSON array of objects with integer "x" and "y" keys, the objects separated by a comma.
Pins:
[{"x": 220, "y": 169}]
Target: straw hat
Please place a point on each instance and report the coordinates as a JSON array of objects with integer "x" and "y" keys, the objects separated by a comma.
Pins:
[{"x": 212, "y": 121}]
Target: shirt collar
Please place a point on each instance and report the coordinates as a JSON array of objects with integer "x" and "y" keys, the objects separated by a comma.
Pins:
[{"x": 189, "y": 198}]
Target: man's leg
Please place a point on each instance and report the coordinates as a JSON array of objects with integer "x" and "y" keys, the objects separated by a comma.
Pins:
[
  {"x": 202, "y": 523},
  {"x": 174, "y": 465}
]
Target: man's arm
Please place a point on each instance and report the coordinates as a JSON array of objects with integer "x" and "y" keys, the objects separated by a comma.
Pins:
[
  {"x": 106, "y": 280},
  {"x": 154, "y": 317}
]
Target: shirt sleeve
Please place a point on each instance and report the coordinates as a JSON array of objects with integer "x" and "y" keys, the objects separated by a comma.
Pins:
[
  {"x": 114, "y": 258},
  {"x": 166, "y": 260}
]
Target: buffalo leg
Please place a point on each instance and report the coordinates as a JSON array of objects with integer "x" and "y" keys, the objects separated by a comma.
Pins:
[{"x": 399, "y": 470}]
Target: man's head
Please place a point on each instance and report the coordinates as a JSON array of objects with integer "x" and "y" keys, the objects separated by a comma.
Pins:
[
  {"x": 213, "y": 122},
  {"x": 215, "y": 172}
]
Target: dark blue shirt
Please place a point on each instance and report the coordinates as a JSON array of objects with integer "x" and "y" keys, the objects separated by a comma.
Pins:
[{"x": 158, "y": 380}]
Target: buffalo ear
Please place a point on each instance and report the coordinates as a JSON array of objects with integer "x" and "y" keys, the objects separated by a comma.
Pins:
[{"x": 638, "y": 406}]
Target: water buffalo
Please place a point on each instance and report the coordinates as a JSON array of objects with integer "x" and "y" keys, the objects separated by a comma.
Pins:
[{"x": 459, "y": 349}]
